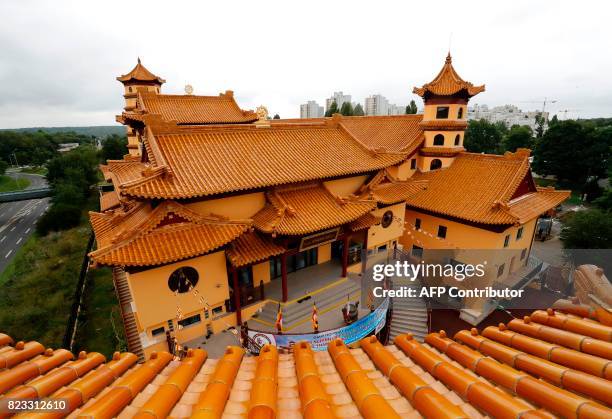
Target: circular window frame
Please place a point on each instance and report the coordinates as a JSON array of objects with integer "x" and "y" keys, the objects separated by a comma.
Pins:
[
  {"x": 387, "y": 219},
  {"x": 190, "y": 274}
]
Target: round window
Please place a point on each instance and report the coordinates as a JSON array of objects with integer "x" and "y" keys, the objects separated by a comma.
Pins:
[
  {"x": 387, "y": 218},
  {"x": 183, "y": 279}
]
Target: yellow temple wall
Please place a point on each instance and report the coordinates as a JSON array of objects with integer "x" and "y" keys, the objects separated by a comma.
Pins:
[
  {"x": 234, "y": 207},
  {"x": 155, "y": 303},
  {"x": 425, "y": 162},
  {"x": 378, "y": 235},
  {"x": 429, "y": 111},
  {"x": 345, "y": 186},
  {"x": 261, "y": 272},
  {"x": 449, "y": 138},
  {"x": 463, "y": 236}
]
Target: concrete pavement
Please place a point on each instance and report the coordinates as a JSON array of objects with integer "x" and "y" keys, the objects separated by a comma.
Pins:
[{"x": 18, "y": 219}]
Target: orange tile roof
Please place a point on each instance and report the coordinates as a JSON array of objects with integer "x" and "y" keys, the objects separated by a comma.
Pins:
[
  {"x": 145, "y": 236},
  {"x": 479, "y": 188},
  {"x": 365, "y": 221},
  {"x": 192, "y": 109},
  {"x": 251, "y": 248},
  {"x": 384, "y": 189},
  {"x": 401, "y": 133},
  {"x": 140, "y": 73},
  {"x": 503, "y": 372},
  {"x": 109, "y": 200},
  {"x": 207, "y": 160},
  {"x": 440, "y": 151},
  {"x": 307, "y": 208},
  {"x": 448, "y": 83},
  {"x": 532, "y": 205}
]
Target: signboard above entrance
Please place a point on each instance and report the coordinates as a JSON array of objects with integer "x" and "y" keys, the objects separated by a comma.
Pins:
[{"x": 317, "y": 239}]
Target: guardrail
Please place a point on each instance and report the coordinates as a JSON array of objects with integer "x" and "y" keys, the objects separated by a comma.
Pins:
[{"x": 25, "y": 194}]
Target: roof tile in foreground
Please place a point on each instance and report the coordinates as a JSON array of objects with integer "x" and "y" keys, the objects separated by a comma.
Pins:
[
  {"x": 218, "y": 159},
  {"x": 501, "y": 373}
]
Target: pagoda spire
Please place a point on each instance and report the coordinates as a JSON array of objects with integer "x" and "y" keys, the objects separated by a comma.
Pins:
[{"x": 448, "y": 83}]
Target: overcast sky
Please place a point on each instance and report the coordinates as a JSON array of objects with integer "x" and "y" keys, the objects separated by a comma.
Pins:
[{"x": 59, "y": 59}]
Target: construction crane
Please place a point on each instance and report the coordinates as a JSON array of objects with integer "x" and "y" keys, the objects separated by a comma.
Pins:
[{"x": 544, "y": 102}]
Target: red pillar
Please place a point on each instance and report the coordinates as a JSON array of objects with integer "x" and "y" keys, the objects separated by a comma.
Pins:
[
  {"x": 237, "y": 297},
  {"x": 283, "y": 259},
  {"x": 345, "y": 243}
]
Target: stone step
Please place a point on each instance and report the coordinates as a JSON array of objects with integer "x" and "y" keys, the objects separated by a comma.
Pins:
[
  {"x": 297, "y": 311},
  {"x": 408, "y": 325},
  {"x": 410, "y": 314}
]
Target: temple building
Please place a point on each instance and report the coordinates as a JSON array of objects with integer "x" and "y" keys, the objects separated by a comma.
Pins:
[{"x": 213, "y": 200}]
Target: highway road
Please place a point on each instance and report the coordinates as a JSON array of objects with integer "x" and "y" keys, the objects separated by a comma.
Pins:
[{"x": 18, "y": 219}]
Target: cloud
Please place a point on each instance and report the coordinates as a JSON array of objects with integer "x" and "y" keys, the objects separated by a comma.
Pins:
[{"x": 60, "y": 59}]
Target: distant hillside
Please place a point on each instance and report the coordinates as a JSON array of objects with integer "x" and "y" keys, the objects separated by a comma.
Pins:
[{"x": 96, "y": 131}]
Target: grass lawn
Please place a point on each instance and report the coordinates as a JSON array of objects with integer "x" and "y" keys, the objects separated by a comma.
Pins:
[
  {"x": 9, "y": 184},
  {"x": 100, "y": 328},
  {"x": 37, "y": 288},
  {"x": 36, "y": 170}
]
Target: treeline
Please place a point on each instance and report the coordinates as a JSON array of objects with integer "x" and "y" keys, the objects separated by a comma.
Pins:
[
  {"x": 72, "y": 176},
  {"x": 37, "y": 147},
  {"x": 347, "y": 109},
  {"x": 577, "y": 153}
]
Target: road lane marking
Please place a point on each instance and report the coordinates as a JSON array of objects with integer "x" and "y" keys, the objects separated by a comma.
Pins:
[
  {"x": 19, "y": 241},
  {"x": 8, "y": 254},
  {"x": 2, "y": 239},
  {"x": 13, "y": 229},
  {"x": 27, "y": 231}
]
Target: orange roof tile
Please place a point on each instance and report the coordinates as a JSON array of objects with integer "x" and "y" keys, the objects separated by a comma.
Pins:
[
  {"x": 448, "y": 83},
  {"x": 144, "y": 236},
  {"x": 365, "y": 221},
  {"x": 384, "y": 189},
  {"x": 140, "y": 73},
  {"x": 192, "y": 109},
  {"x": 109, "y": 200},
  {"x": 307, "y": 208},
  {"x": 401, "y": 133},
  {"x": 440, "y": 151},
  {"x": 499, "y": 373},
  {"x": 479, "y": 187},
  {"x": 529, "y": 206},
  {"x": 201, "y": 161},
  {"x": 251, "y": 248}
]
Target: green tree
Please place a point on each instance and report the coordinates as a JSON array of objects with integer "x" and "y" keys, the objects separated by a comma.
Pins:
[
  {"x": 346, "y": 109},
  {"x": 411, "y": 108},
  {"x": 484, "y": 137},
  {"x": 519, "y": 136},
  {"x": 553, "y": 120},
  {"x": 333, "y": 108},
  {"x": 590, "y": 229},
  {"x": 3, "y": 167},
  {"x": 358, "y": 111},
  {"x": 540, "y": 123},
  {"x": 276, "y": 116},
  {"x": 114, "y": 147},
  {"x": 573, "y": 152},
  {"x": 77, "y": 168},
  {"x": 604, "y": 202}
]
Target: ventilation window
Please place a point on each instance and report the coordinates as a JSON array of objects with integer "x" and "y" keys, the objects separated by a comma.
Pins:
[
  {"x": 387, "y": 218},
  {"x": 442, "y": 112},
  {"x": 435, "y": 164},
  {"x": 460, "y": 113},
  {"x": 457, "y": 139},
  {"x": 507, "y": 240},
  {"x": 417, "y": 223},
  {"x": 442, "y": 232},
  {"x": 439, "y": 139},
  {"x": 413, "y": 164},
  {"x": 519, "y": 233}
]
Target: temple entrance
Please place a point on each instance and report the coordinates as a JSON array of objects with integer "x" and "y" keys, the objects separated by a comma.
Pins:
[{"x": 295, "y": 262}]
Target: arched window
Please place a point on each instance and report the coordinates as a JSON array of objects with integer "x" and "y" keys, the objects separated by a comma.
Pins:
[
  {"x": 183, "y": 279},
  {"x": 460, "y": 114},
  {"x": 457, "y": 139},
  {"x": 439, "y": 139},
  {"x": 435, "y": 164},
  {"x": 130, "y": 89}
]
